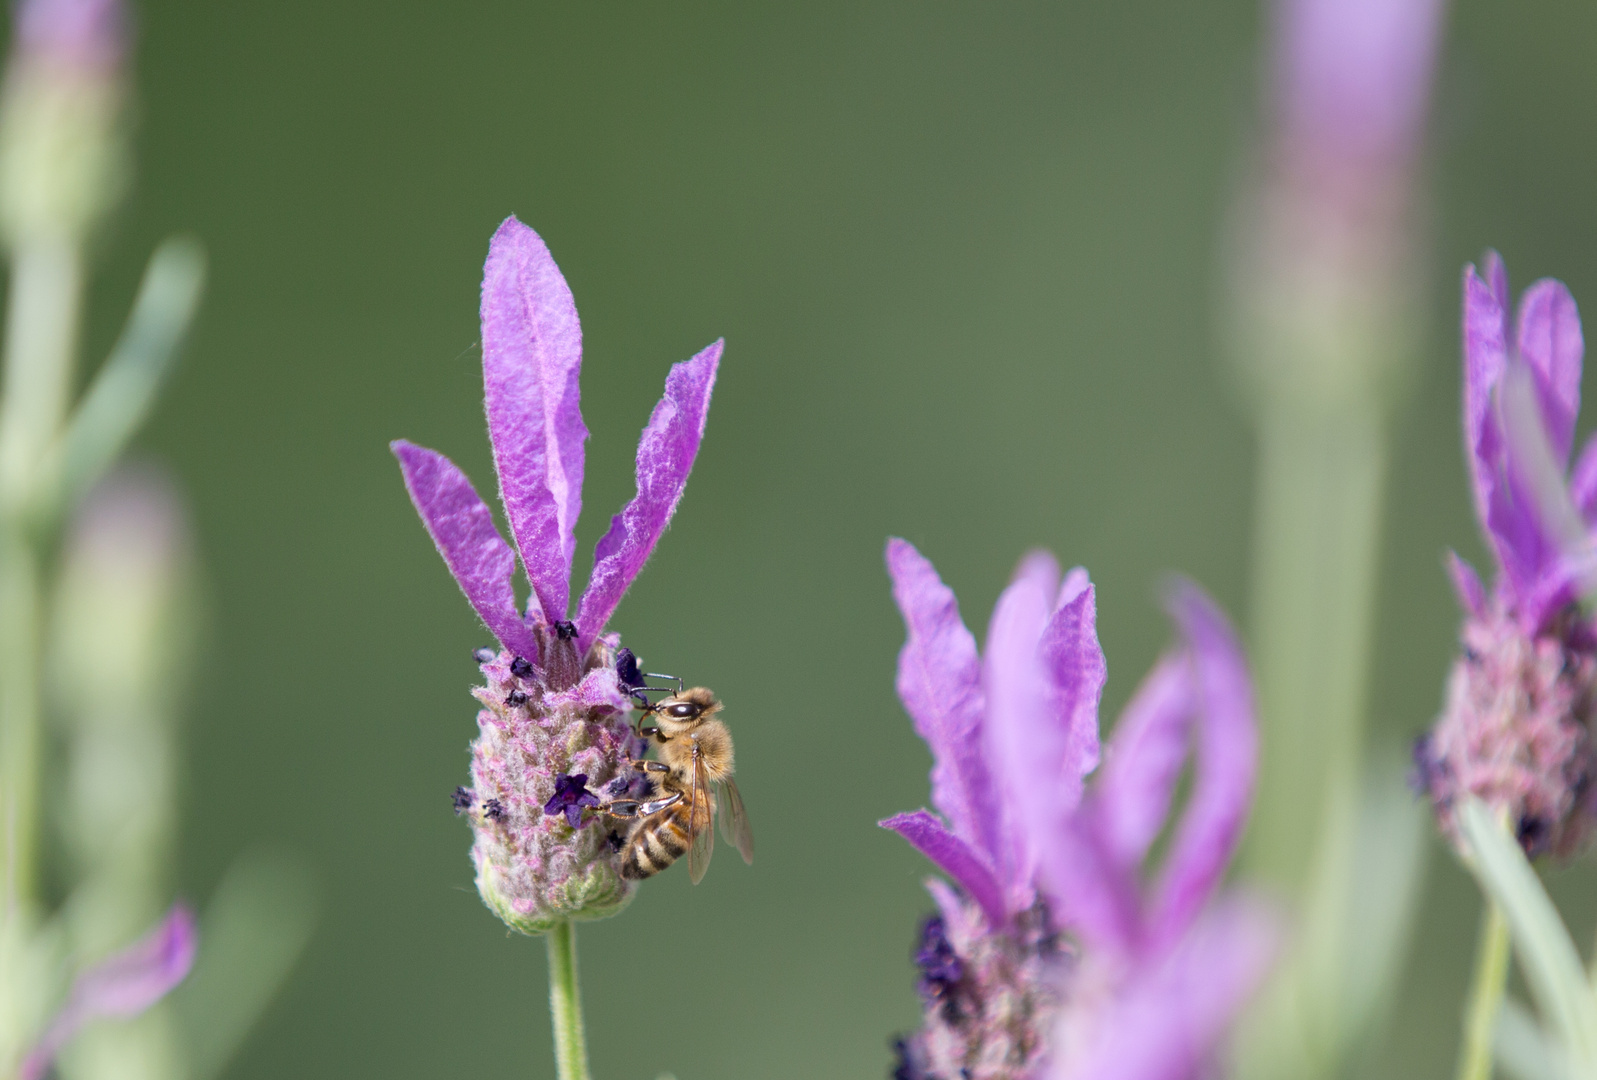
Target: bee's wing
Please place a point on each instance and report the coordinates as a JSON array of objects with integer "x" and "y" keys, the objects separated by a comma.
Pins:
[
  {"x": 735, "y": 822},
  {"x": 700, "y": 811}
]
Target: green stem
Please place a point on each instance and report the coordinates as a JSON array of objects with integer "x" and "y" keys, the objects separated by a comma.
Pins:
[
  {"x": 40, "y": 338},
  {"x": 1485, "y": 996},
  {"x": 565, "y": 1004}
]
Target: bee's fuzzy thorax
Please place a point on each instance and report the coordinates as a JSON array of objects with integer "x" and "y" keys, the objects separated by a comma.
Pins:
[{"x": 533, "y": 868}]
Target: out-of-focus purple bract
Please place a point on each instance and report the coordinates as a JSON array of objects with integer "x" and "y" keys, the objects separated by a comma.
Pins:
[
  {"x": 1049, "y": 955},
  {"x": 1516, "y": 728},
  {"x": 122, "y": 985}
]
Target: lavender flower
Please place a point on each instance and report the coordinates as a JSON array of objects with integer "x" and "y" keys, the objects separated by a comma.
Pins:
[
  {"x": 1048, "y": 955},
  {"x": 121, "y": 986},
  {"x": 552, "y": 705},
  {"x": 1516, "y": 728}
]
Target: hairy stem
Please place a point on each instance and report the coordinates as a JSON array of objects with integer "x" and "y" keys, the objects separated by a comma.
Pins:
[
  {"x": 1485, "y": 996},
  {"x": 565, "y": 1004}
]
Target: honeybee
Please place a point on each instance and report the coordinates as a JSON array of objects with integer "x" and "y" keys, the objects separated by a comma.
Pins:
[{"x": 693, "y": 782}]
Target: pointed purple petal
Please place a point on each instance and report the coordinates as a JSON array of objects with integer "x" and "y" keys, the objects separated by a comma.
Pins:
[
  {"x": 1075, "y": 581},
  {"x": 1583, "y": 482},
  {"x": 123, "y": 985},
  {"x": 1041, "y": 569},
  {"x": 1485, "y": 359},
  {"x": 956, "y": 859},
  {"x": 1131, "y": 797},
  {"x": 1089, "y": 892},
  {"x": 1167, "y": 1020},
  {"x": 1551, "y": 346},
  {"x": 1227, "y": 748},
  {"x": 939, "y": 682},
  {"x": 665, "y": 456},
  {"x": 531, "y": 358},
  {"x": 1076, "y": 671},
  {"x": 462, "y": 528},
  {"x": 1467, "y": 584},
  {"x": 1026, "y": 742}
]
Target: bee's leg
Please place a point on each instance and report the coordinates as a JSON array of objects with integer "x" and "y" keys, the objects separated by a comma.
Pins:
[
  {"x": 654, "y": 806},
  {"x": 624, "y": 808},
  {"x": 651, "y": 766}
]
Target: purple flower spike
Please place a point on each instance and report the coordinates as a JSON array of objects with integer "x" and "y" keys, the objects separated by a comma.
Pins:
[
  {"x": 571, "y": 795},
  {"x": 554, "y": 703},
  {"x": 531, "y": 357},
  {"x": 1521, "y": 700},
  {"x": 1020, "y": 726},
  {"x": 665, "y": 457},
  {"x": 123, "y": 985}
]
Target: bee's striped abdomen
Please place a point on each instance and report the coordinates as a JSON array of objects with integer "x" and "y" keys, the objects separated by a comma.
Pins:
[{"x": 657, "y": 842}]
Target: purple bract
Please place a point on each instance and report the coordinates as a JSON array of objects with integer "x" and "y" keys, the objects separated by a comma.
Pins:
[
  {"x": 122, "y": 985},
  {"x": 552, "y": 706},
  {"x": 1052, "y": 954}
]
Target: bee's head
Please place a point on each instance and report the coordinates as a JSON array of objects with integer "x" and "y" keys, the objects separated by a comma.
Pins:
[{"x": 687, "y": 710}]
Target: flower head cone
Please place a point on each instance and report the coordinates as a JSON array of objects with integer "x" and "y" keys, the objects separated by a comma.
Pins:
[
  {"x": 552, "y": 730},
  {"x": 1055, "y": 952},
  {"x": 1515, "y": 731}
]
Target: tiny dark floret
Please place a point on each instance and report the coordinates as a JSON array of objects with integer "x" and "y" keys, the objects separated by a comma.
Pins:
[
  {"x": 515, "y": 697},
  {"x": 463, "y": 798},
  {"x": 614, "y": 839},
  {"x": 627, "y": 672},
  {"x": 940, "y": 967},
  {"x": 571, "y": 795},
  {"x": 483, "y": 656},
  {"x": 494, "y": 810},
  {"x": 520, "y": 668},
  {"x": 565, "y": 629}
]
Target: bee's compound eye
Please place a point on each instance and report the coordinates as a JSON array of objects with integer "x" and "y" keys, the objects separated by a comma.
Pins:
[{"x": 682, "y": 710}]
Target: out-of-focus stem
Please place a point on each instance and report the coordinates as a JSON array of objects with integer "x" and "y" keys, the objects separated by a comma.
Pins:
[
  {"x": 1316, "y": 543},
  {"x": 565, "y": 1004},
  {"x": 40, "y": 336},
  {"x": 1485, "y": 996},
  {"x": 1316, "y": 533},
  {"x": 19, "y": 713}
]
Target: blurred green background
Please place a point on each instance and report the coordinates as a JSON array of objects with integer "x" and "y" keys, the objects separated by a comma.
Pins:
[{"x": 965, "y": 257}]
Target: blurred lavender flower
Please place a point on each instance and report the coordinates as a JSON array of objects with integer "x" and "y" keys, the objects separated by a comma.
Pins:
[
  {"x": 123, "y": 985},
  {"x": 1516, "y": 729},
  {"x": 1049, "y": 955},
  {"x": 552, "y": 705}
]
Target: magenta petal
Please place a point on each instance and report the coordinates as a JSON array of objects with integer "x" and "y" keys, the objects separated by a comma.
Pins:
[
  {"x": 939, "y": 682},
  {"x": 1467, "y": 584},
  {"x": 1074, "y": 663},
  {"x": 462, "y": 528},
  {"x": 1583, "y": 482},
  {"x": 1026, "y": 741},
  {"x": 1485, "y": 359},
  {"x": 123, "y": 985},
  {"x": 956, "y": 859},
  {"x": 1227, "y": 749},
  {"x": 1042, "y": 569},
  {"x": 1551, "y": 346},
  {"x": 1131, "y": 797},
  {"x": 1167, "y": 1020},
  {"x": 531, "y": 357},
  {"x": 665, "y": 457}
]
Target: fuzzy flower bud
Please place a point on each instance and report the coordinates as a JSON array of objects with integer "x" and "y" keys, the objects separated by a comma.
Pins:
[
  {"x": 536, "y": 868},
  {"x": 61, "y": 154},
  {"x": 989, "y": 999},
  {"x": 1515, "y": 732}
]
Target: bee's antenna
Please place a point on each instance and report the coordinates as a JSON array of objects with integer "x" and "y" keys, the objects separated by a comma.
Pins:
[{"x": 656, "y": 675}]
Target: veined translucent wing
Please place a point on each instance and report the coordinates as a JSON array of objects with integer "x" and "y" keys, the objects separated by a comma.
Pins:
[
  {"x": 701, "y": 811},
  {"x": 734, "y": 821}
]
